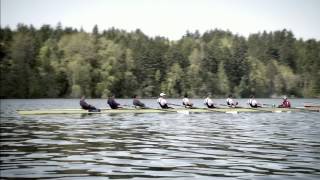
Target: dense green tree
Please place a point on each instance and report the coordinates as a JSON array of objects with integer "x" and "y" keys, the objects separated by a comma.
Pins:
[
  {"x": 66, "y": 62},
  {"x": 193, "y": 72},
  {"x": 236, "y": 66},
  {"x": 22, "y": 60},
  {"x": 287, "y": 50},
  {"x": 223, "y": 87},
  {"x": 174, "y": 86},
  {"x": 78, "y": 54},
  {"x": 47, "y": 74},
  {"x": 257, "y": 81}
]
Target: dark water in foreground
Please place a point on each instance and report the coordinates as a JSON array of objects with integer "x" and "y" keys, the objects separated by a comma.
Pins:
[{"x": 167, "y": 146}]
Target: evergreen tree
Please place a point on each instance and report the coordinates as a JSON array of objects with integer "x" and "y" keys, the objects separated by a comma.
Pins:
[
  {"x": 236, "y": 66},
  {"x": 57, "y": 62},
  {"x": 223, "y": 82},
  {"x": 21, "y": 71},
  {"x": 174, "y": 85}
]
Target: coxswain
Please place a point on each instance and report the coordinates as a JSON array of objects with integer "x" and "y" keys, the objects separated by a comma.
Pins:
[
  {"x": 285, "y": 103},
  {"x": 86, "y": 106},
  {"x": 137, "y": 103},
  {"x": 208, "y": 101},
  {"x": 112, "y": 103},
  {"x": 253, "y": 103},
  {"x": 186, "y": 102},
  {"x": 231, "y": 102},
  {"x": 163, "y": 102}
]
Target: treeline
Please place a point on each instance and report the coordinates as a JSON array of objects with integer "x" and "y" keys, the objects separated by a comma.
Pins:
[{"x": 52, "y": 62}]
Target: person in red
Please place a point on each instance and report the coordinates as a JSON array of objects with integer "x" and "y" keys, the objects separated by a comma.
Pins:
[{"x": 285, "y": 103}]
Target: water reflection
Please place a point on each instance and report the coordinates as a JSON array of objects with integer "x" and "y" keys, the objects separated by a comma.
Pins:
[{"x": 245, "y": 146}]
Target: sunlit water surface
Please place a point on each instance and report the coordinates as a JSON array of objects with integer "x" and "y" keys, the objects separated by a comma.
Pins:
[{"x": 166, "y": 146}]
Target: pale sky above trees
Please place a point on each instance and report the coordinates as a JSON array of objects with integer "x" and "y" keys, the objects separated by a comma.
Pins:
[{"x": 169, "y": 18}]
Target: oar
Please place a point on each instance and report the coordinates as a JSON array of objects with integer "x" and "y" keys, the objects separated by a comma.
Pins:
[
  {"x": 213, "y": 109},
  {"x": 310, "y": 104},
  {"x": 305, "y": 109},
  {"x": 317, "y": 109},
  {"x": 175, "y": 104},
  {"x": 141, "y": 107},
  {"x": 270, "y": 105},
  {"x": 135, "y": 107},
  {"x": 216, "y": 109},
  {"x": 265, "y": 105},
  {"x": 125, "y": 105},
  {"x": 225, "y": 105},
  {"x": 192, "y": 107},
  {"x": 256, "y": 109}
]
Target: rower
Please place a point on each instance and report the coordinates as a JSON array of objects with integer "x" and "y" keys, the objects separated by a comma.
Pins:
[
  {"x": 253, "y": 103},
  {"x": 137, "y": 103},
  {"x": 231, "y": 102},
  {"x": 112, "y": 103},
  {"x": 285, "y": 103},
  {"x": 86, "y": 106},
  {"x": 186, "y": 102},
  {"x": 208, "y": 101},
  {"x": 163, "y": 102}
]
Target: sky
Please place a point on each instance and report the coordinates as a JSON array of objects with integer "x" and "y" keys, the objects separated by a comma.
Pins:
[{"x": 169, "y": 18}]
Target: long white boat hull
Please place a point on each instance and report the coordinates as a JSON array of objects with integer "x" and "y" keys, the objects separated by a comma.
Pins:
[{"x": 178, "y": 110}]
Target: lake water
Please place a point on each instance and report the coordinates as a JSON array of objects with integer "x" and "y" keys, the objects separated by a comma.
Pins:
[{"x": 164, "y": 146}]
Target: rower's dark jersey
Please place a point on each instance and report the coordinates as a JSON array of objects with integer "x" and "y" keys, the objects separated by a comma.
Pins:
[
  {"x": 136, "y": 102},
  {"x": 113, "y": 104},
  {"x": 84, "y": 104}
]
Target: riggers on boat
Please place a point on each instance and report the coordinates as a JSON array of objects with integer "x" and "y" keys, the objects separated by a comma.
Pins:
[{"x": 151, "y": 110}]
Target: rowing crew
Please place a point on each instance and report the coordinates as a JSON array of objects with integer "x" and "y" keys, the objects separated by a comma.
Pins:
[
  {"x": 253, "y": 103},
  {"x": 114, "y": 105},
  {"x": 111, "y": 102},
  {"x": 230, "y": 102}
]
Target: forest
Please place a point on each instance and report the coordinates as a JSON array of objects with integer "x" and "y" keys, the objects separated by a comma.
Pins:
[{"x": 64, "y": 62}]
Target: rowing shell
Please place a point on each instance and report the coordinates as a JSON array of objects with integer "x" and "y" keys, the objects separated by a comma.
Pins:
[{"x": 178, "y": 110}]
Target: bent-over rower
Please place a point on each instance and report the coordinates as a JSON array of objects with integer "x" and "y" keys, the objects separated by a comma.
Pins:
[
  {"x": 186, "y": 102},
  {"x": 285, "y": 103},
  {"x": 86, "y": 106},
  {"x": 137, "y": 103},
  {"x": 253, "y": 102},
  {"x": 231, "y": 102},
  {"x": 163, "y": 102},
  {"x": 112, "y": 103},
  {"x": 208, "y": 102}
]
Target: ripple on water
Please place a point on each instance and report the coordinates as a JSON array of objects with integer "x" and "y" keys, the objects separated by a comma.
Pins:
[
  {"x": 51, "y": 142},
  {"x": 167, "y": 146}
]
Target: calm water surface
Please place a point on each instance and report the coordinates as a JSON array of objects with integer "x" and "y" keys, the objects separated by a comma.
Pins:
[{"x": 164, "y": 146}]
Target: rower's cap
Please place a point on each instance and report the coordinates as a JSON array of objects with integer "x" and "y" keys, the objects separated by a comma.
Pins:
[
  {"x": 162, "y": 94},
  {"x": 285, "y": 97}
]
